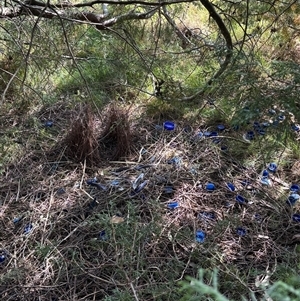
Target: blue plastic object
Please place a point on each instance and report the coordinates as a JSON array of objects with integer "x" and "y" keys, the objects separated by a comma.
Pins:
[
  {"x": 256, "y": 124},
  {"x": 295, "y": 127},
  {"x": 281, "y": 117},
  {"x": 272, "y": 112},
  {"x": 240, "y": 199},
  {"x": 265, "y": 181},
  {"x": 103, "y": 235},
  {"x": 221, "y": 127},
  {"x": 230, "y": 186},
  {"x": 224, "y": 148},
  {"x": 210, "y": 187},
  {"x": 174, "y": 160},
  {"x": 261, "y": 131},
  {"x": 48, "y": 123},
  {"x": 292, "y": 199},
  {"x": 173, "y": 205},
  {"x": 296, "y": 217},
  {"x": 28, "y": 228},
  {"x": 213, "y": 134},
  {"x": 199, "y": 135},
  {"x": 241, "y": 231},
  {"x": 272, "y": 167},
  {"x": 265, "y": 173},
  {"x": 207, "y": 134},
  {"x": 265, "y": 124},
  {"x": 169, "y": 125},
  {"x": 200, "y": 236},
  {"x": 294, "y": 188},
  {"x": 94, "y": 182}
]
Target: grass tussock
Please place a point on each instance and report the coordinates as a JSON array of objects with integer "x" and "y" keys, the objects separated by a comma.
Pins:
[
  {"x": 116, "y": 138},
  {"x": 81, "y": 141}
]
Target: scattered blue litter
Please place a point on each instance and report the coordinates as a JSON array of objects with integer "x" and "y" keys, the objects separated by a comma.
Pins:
[
  {"x": 224, "y": 148},
  {"x": 17, "y": 219},
  {"x": 169, "y": 125},
  {"x": 272, "y": 112},
  {"x": 240, "y": 199},
  {"x": 200, "y": 236},
  {"x": 28, "y": 228},
  {"x": 265, "y": 124},
  {"x": 292, "y": 199},
  {"x": 199, "y": 135},
  {"x": 295, "y": 127},
  {"x": 207, "y": 215},
  {"x": 137, "y": 181},
  {"x": 103, "y": 235},
  {"x": 265, "y": 181},
  {"x": 210, "y": 187},
  {"x": 241, "y": 231},
  {"x": 294, "y": 188},
  {"x": 245, "y": 182},
  {"x": 114, "y": 183},
  {"x": 265, "y": 173},
  {"x": 168, "y": 189},
  {"x": 173, "y": 205},
  {"x": 221, "y": 127},
  {"x": 141, "y": 186},
  {"x": 256, "y": 124},
  {"x": 296, "y": 217},
  {"x": 213, "y": 134},
  {"x": 230, "y": 186},
  {"x": 207, "y": 134},
  {"x": 48, "y": 123},
  {"x": 272, "y": 167},
  {"x": 281, "y": 117}
]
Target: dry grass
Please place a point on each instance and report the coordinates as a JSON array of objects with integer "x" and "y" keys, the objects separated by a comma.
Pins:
[{"x": 143, "y": 256}]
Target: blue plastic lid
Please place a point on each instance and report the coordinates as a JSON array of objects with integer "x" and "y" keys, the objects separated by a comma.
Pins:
[
  {"x": 214, "y": 134},
  {"x": 295, "y": 127},
  {"x": 207, "y": 134},
  {"x": 28, "y": 228},
  {"x": 296, "y": 217},
  {"x": 221, "y": 127},
  {"x": 281, "y": 117},
  {"x": 230, "y": 186},
  {"x": 272, "y": 112},
  {"x": 207, "y": 215},
  {"x": 272, "y": 167},
  {"x": 265, "y": 124},
  {"x": 173, "y": 205},
  {"x": 2, "y": 258},
  {"x": 210, "y": 186},
  {"x": 240, "y": 199},
  {"x": 292, "y": 199},
  {"x": 200, "y": 236},
  {"x": 241, "y": 231},
  {"x": 169, "y": 125},
  {"x": 294, "y": 187},
  {"x": 265, "y": 181},
  {"x": 265, "y": 173}
]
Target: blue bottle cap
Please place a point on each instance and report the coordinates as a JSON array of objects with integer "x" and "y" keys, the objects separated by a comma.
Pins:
[
  {"x": 292, "y": 199},
  {"x": 265, "y": 173},
  {"x": 173, "y": 205},
  {"x": 199, "y": 135},
  {"x": 294, "y": 188},
  {"x": 240, "y": 199},
  {"x": 48, "y": 123},
  {"x": 295, "y": 127},
  {"x": 103, "y": 235},
  {"x": 221, "y": 127},
  {"x": 210, "y": 187},
  {"x": 213, "y": 134},
  {"x": 272, "y": 167},
  {"x": 169, "y": 125},
  {"x": 241, "y": 231},
  {"x": 200, "y": 236},
  {"x": 28, "y": 228},
  {"x": 272, "y": 112},
  {"x": 230, "y": 186},
  {"x": 296, "y": 217},
  {"x": 207, "y": 134}
]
